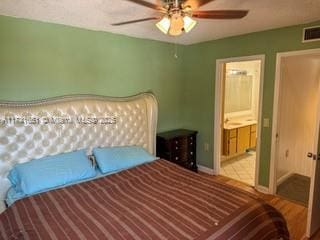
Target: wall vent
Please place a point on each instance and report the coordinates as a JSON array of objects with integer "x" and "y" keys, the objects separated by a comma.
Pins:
[{"x": 311, "y": 34}]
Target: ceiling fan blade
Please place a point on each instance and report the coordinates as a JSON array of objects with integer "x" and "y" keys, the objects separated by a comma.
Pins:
[
  {"x": 135, "y": 21},
  {"x": 220, "y": 14},
  {"x": 147, "y": 4},
  {"x": 195, "y": 4}
]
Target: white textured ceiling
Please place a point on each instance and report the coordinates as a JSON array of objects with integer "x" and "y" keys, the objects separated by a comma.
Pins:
[{"x": 98, "y": 14}]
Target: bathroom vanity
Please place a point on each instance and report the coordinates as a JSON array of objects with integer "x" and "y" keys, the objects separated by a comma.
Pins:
[{"x": 238, "y": 136}]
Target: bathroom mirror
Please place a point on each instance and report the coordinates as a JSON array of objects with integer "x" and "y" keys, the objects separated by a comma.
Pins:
[{"x": 238, "y": 92}]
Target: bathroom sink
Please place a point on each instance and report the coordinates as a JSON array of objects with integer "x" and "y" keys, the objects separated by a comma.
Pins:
[{"x": 234, "y": 124}]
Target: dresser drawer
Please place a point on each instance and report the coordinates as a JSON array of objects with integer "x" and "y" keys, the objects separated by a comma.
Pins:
[
  {"x": 179, "y": 143},
  {"x": 179, "y": 158},
  {"x": 192, "y": 153},
  {"x": 191, "y": 140}
]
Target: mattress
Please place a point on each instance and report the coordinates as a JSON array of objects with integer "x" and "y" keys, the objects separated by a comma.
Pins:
[{"x": 157, "y": 200}]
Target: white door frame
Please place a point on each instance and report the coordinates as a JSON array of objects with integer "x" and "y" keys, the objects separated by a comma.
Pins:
[
  {"x": 218, "y": 110},
  {"x": 273, "y": 162}
]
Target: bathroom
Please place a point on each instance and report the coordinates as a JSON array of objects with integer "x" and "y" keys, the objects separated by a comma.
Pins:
[{"x": 241, "y": 88}]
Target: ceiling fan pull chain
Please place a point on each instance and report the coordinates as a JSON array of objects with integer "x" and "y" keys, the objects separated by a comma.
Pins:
[{"x": 175, "y": 49}]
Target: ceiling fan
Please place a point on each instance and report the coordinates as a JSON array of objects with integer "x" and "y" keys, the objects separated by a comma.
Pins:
[{"x": 177, "y": 14}]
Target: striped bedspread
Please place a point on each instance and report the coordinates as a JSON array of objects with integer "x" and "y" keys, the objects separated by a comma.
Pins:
[{"x": 158, "y": 200}]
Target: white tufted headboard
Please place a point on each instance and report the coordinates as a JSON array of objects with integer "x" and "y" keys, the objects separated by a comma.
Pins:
[{"x": 30, "y": 130}]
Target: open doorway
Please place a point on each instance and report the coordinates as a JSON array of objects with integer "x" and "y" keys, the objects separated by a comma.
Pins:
[
  {"x": 238, "y": 88},
  {"x": 294, "y": 171},
  {"x": 297, "y": 110}
]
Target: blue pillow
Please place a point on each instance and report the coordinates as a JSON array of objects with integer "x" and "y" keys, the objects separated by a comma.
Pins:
[
  {"x": 52, "y": 171},
  {"x": 111, "y": 159}
]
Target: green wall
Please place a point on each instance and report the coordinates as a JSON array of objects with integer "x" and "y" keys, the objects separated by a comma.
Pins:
[
  {"x": 199, "y": 80},
  {"x": 40, "y": 60}
]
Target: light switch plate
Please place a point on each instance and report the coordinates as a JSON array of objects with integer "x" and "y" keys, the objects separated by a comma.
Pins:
[{"x": 266, "y": 122}]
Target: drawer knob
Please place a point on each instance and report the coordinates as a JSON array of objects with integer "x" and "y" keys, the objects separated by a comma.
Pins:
[
  {"x": 177, "y": 148},
  {"x": 176, "y": 142},
  {"x": 191, "y": 143},
  {"x": 177, "y": 158},
  {"x": 191, "y": 153}
]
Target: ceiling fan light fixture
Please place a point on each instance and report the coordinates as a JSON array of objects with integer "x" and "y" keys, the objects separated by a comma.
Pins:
[
  {"x": 177, "y": 24},
  {"x": 175, "y": 32},
  {"x": 189, "y": 23},
  {"x": 178, "y": 14},
  {"x": 164, "y": 25}
]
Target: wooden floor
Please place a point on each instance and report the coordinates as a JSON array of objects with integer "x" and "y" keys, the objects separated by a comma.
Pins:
[{"x": 295, "y": 214}]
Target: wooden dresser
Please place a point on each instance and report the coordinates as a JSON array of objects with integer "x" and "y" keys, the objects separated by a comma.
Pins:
[{"x": 178, "y": 146}]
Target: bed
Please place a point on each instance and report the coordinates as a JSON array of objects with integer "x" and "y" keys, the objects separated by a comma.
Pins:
[{"x": 154, "y": 200}]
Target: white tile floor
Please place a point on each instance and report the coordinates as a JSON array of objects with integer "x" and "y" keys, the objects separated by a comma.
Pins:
[{"x": 241, "y": 168}]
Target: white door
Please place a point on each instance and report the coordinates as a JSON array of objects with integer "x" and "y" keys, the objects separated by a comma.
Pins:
[{"x": 313, "y": 221}]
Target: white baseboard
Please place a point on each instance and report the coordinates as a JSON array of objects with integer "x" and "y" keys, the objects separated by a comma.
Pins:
[
  {"x": 211, "y": 171},
  {"x": 262, "y": 189},
  {"x": 206, "y": 170},
  {"x": 283, "y": 178}
]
